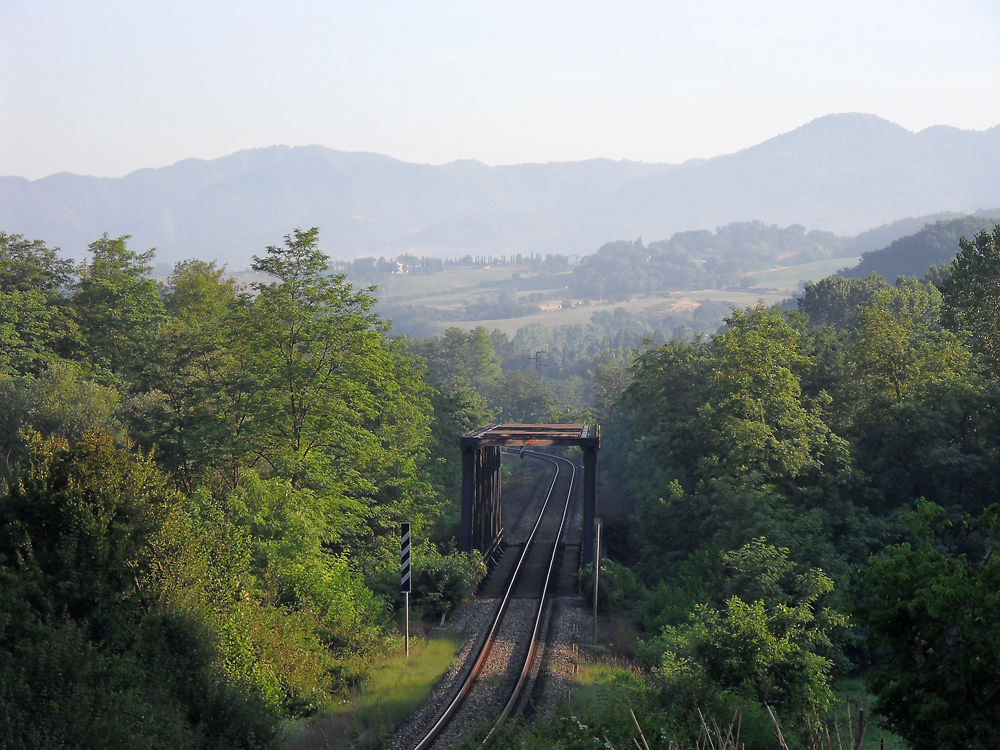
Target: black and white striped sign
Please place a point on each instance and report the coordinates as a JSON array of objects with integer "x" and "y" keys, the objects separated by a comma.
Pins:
[{"x": 404, "y": 564}]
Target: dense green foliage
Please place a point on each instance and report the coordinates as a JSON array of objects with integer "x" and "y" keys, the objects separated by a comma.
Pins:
[
  {"x": 200, "y": 502},
  {"x": 96, "y": 648},
  {"x": 773, "y": 469},
  {"x": 938, "y": 615},
  {"x": 971, "y": 291},
  {"x": 201, "y": 488}
]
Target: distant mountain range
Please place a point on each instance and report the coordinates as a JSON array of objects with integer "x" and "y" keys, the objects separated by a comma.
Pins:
[{"x": 842, "y": 173}]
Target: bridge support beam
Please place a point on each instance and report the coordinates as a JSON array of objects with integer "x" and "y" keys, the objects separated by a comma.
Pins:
[
  {"x": 468, "y": 498},
  {"x": 481, "y": 524}
]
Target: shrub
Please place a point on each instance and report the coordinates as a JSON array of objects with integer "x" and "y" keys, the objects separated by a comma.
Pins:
[{"x": 440, "y": 582}]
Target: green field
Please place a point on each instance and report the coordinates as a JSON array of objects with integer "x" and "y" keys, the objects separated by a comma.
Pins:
[
  {"x": 457, "y": 285},
  {"x": 580, "y": 314},
  {"x": 787, "y": 278},
  {"x": 452, "y": 290}
]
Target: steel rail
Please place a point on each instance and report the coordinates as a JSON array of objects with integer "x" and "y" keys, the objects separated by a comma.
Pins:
[
  {"x": 456, "y": 702},
  {"x": 526, "y": 668}
]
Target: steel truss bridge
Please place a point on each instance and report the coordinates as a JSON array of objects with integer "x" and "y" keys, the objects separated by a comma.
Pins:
[{"x": 482, "y": 524}]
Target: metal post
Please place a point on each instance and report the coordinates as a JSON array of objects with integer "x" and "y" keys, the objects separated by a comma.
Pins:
[
  {"x": 406, "y": 638},
  {"x": 597, "y": 573},
  {"x": 589, "y": 502}
]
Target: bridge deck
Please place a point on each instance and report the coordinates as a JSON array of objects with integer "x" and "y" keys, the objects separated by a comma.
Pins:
[{"x": 584, "y": 435}]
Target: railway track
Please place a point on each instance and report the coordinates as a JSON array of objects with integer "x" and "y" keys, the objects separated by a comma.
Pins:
[{"x": 497, "y": 682}]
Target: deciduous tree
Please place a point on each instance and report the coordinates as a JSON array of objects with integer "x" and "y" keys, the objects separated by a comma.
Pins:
[
  {"x": 938, "y": 615},
  {"x": 117, "y": 304},
  {"x": 971, "y": 293}
]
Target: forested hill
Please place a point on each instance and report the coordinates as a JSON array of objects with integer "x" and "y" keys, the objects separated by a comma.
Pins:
[
  {"x": 913, "y": 255},
  {"x": 729, "y": 256},
  {"x": 840, "y": 173}
]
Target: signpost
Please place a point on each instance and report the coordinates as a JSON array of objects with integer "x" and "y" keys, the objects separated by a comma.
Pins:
[{"x": 404, "y": 578}]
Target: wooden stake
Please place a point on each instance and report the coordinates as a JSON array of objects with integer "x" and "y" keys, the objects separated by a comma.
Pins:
[{"x": 645, "y": 744}]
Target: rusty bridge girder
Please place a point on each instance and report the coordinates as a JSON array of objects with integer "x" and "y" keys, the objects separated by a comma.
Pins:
[{"x": 482, "y": 524}]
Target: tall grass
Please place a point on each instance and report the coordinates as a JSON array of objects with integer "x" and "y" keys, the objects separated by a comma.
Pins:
[
  {"x": 612, "y": 703},
  {"x": 396, "y": 687}
]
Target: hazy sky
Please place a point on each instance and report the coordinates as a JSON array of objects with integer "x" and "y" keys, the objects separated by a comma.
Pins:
[{"x": 104, "y": 88}]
